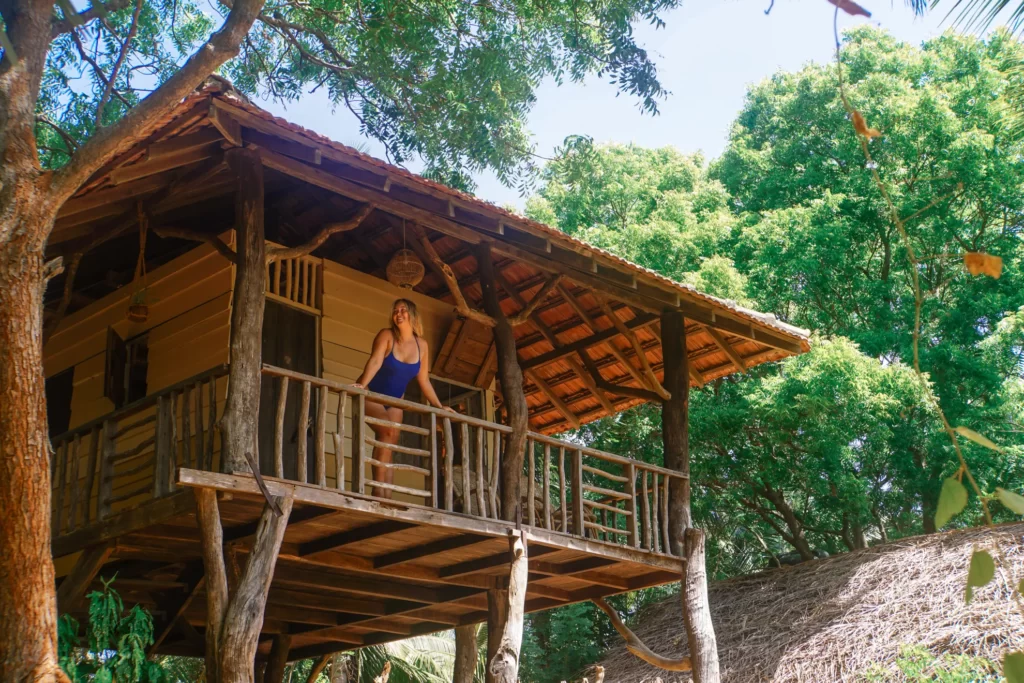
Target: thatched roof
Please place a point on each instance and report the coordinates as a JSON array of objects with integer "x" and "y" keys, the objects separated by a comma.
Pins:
[{"x": 831, "y": 619}]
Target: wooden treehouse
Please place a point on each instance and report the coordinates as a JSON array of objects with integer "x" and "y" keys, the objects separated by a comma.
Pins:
[{"x": 140, "y": 353}]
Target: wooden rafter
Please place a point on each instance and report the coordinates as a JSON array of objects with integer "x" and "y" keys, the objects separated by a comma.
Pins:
[
  {"x": 652, "y": 379},
  {"x": 461, "y": 305},
  {"x": 194, "y": 235},
  {"x": 727, "y": 348},
  {"x": 528, "y": 309},
  {"x": 351, "y": 223},
  {"x": 557, "y": 402},
  {"x": 589, "y": 321},
  {"x": 617, "y": 389},
  {"x": 549, "y": 335}
]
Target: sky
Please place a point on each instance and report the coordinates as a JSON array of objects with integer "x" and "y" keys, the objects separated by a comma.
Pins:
[{"x": 707, "y": 55}]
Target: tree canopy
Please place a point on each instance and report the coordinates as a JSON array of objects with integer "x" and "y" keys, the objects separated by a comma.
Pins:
[{"x": 839, "y": 448}]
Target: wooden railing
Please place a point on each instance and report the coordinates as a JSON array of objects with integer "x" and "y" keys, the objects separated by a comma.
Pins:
[
  {"x": 448, "y": 461},
  {"x": 455, "y": 460},
  {"x": 133, "y": 452}
]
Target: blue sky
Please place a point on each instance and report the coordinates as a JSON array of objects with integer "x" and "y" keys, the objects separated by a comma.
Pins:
[{"x": 707, "y": 56}]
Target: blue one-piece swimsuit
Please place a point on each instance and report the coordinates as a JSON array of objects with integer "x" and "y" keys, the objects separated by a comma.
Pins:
[{"x": 394, "y": 375}]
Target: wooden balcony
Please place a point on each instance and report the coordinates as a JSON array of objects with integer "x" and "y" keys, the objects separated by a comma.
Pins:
[{"x": 355, "y": 569}]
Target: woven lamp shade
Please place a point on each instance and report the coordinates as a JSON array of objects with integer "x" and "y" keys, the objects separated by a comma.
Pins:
[{"x": 405, "y": 269}]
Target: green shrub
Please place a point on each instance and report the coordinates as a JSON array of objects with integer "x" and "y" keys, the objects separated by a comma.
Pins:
[{"x": 917, "y": 664}]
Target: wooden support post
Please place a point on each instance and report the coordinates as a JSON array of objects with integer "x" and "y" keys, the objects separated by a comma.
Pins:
[
  {"x": 511, "y": 377},
  {"x": 274, "y": 673},
  {"x": 76, "y": 583},
  {"x": 239, "y": 429},
  {"x": 163, "y": 469},
  {"x": 233, "y": 622},
  {"x": 358, "y": 447},
  {"x": 505, "y": 624},
  {"x": 466, "y": 654},
  {"x": 684, "y": 541},
  {"x": 578, "y": 526},
  {"x": 505, "y": 617}
]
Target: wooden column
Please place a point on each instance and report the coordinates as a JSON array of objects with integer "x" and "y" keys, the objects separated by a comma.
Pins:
[
  {"x": 274, "y": 673},
  {"x": 233, "y": 622},
  {"x": 505, "y": 607},
  {"x": 684, "y": 540},
  {"x": 505, "y": 617},
  {"x": 239, "y": 425},
  {"x": 466, "y": 654}
]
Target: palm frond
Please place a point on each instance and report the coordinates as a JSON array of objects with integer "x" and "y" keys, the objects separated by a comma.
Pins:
[{"x": 979, "y": 15}]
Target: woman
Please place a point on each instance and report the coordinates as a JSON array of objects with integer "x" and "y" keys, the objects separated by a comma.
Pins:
[{"x": 399, "y": 354}]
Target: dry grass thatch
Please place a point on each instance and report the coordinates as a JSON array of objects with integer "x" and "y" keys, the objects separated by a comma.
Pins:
[{"x": 832, "y": 619}]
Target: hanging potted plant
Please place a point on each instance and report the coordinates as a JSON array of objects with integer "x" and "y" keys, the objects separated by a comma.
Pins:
[{"x": 138, "y": 308}]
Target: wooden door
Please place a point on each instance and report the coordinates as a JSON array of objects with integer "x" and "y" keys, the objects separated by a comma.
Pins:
[{"x": 289, "y": 341}]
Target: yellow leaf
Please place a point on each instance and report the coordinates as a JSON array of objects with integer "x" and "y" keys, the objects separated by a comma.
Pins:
[
  {"x": 861, "y": 126},
  {"x": 983, "y": 264},
  {"x": 977, "y": 438}
]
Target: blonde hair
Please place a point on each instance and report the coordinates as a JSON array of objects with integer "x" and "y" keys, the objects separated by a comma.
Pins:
[{"x": 414, "y": 318}]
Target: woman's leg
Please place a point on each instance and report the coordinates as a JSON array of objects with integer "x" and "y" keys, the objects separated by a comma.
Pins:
[{"x": 388, "y": 435}]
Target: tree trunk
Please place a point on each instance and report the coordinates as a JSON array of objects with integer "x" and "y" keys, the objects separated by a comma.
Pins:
[
  {"x": 796, "y": 537},
  {"x": 339, "y": 669},
  {"x": 505, "y": 608},
  {"x": 685, "y": 541},
  {"x": 511, "y": 377},
  {"x": 505, "y": 618},
  {"x": 233, "y": 622},
  {"x": 28, "y": 651},
  {"x": 239, "y": 425},
  {"x": 466, "y": 654},
  {"x": 700, "y": 632}
]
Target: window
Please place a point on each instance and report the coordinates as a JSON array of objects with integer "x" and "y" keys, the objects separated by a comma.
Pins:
[
  {"x": 127, "y": 367},
  {"x": 58, "y": 401}
]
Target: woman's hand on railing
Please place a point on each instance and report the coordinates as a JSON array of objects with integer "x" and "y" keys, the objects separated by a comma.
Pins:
[
  {"x": 357, "y": 385},
  {"x": 449, "y": 409}
]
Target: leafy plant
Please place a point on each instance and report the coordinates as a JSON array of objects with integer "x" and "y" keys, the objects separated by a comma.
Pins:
[{"x": 114, "y": 648}]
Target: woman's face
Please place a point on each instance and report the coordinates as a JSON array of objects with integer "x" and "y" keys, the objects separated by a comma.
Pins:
[{"x": 400, "y": 315}]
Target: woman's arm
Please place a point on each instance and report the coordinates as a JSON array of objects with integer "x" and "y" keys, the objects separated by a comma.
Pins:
[
  {"x": 376, "y": 359},
  {"x": 423, "y": 377}
]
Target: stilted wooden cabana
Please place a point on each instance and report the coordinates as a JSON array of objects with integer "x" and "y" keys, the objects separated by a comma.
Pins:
[{"x": 210, "y": 449}]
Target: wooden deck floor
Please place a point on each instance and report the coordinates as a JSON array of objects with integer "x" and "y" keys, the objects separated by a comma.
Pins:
[{"x": 353, "y": 571}]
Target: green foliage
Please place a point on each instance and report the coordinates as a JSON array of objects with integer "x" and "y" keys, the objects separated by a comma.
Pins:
[
  {"x": 916, "y": 664},
  {"x": 115, "y": 643},
  {"x": 449, "y": 82},
  {"x": 952, "y": 500},
  {"x": 981, "y": 571}
]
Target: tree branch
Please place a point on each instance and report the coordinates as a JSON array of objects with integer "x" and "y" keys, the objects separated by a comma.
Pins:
[
  {"x": 69, "y": 141},
  {"x": 214, "y": 240},
  {"x": 637, "y": 647},
  {"x": 109, "y": 141},
  {"x": 524, "y": 315},
  {"x": 352, "y": 223},
  {"x": 461, "y": 305},
  {"x": 62, "y": 26},
  {"x": 109, "y": 88}
]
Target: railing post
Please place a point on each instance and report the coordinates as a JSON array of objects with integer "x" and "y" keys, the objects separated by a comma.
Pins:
[
  {"x": 631, "y": 504},
  {"x": 90, "y": 477},
  {"x": 211, "y": 432},
  {"x": 106, "y": 468},
  {"x": 449, "y": 467},
  {"x": 561, "y": 490},
  {"x": 186, "y": 430},
  {"x": 76, "y": 455},
  {"x": 339, "y": 441},
  {"x": 645, "y": 511},
  {"x": 531, "y": 484},
  {"x": 434, "y": 471},
  {"x": 162, "y": 448},
  {"x": 467, "y": 494},
  {"x": 578, "y": 526},
  {"x": 547, "y": 486},
  {"x": 320, "y": 468},
  {"x": 358, "y": 429},
  {"x": 303, "y": 429},
  {"x": 495, "y": 469},
  {"x": 282, "y": 400},
  {"x": 481, "y": 490}
]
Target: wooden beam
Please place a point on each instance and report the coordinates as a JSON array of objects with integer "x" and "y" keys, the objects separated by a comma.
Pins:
[
  {"x": 227, "y": 125},
  {"x": 351, "y": 223},
  {"x": 652, "y": 379},
  {"x": 141, "y": 169},
  {"x": 557, "y": 402},
  {"x": 343, "y": 538},
  {"x": 183, "y": 143},
  {"x": 720, "y": 340},
  {"x": 617, "y": 389},
  {"x": 427, "y": 549},
  {"x": 193, "y": 576},
  {"x": 487, "y": 562},
  {"x": 585, "y": 343},
  {"x": 461, "y": 305},
  {"x": 528, "y": 309},
  {"x": 88, "y": 565},
  {"x": 278, "y": 659}
]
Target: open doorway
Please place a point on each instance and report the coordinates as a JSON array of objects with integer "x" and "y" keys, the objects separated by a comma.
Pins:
[{"x": 290, "y": 341}]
